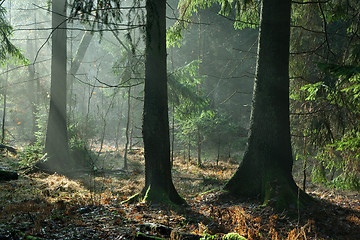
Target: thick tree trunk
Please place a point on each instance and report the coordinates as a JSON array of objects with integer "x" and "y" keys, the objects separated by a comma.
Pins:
[
  {"x": 158, "y": 182},
  {"x": 266, "y": 169},
  {"x": 56, "y": 144}
]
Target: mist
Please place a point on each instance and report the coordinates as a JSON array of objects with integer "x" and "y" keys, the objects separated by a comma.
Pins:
[{"x": 216, "y": 61}]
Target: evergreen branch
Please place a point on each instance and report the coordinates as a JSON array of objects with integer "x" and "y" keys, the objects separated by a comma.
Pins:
[
  {"x": 22, "y": 66},
  {"x": 187, "y": 21},
  {"x": 239, "y": 21},
  {"x": 310, "y": 2}
]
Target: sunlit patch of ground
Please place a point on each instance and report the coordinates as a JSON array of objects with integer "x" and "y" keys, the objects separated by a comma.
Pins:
[{"x": 88, "y": 206}]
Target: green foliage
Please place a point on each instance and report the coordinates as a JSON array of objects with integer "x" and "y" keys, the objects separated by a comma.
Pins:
[
  {"x": 246, "y": 14},
  {"x": 41, "y": 122},
  {"x": 183, "y": 86},
  {"x": 318, "y": 174},
  {"x": 6, "y": 47},
  {"x": 207, "y": 236},
  {"x": 113, "y": 14},
  {"x": 76, "y": 139},
  {"x": 79, "y": 144},
  {"x": 31, "y": 154},
  {"x": 347, "y": 181},
  {"x": 233, "y": 236},
  {"x": 333, "y": 124}
]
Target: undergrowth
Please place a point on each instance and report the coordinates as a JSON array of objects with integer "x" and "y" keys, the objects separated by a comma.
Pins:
[{"x": 90, "y": 206}]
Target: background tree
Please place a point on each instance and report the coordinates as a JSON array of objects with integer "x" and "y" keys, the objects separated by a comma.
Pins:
[
  {"x": 266, "y": 169},
  {"x": 56, "y": 145}
]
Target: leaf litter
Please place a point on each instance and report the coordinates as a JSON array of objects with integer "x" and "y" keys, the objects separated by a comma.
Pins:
[{"x": 43, "y": 206}]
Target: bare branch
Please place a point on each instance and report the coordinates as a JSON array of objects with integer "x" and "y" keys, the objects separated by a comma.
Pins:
[
  {"x": 325, "y": 29},
  {"x": 235, "y": 92}
]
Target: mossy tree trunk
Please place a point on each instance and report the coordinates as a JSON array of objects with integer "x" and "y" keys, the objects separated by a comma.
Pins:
[
  {"x": 158, "y": 181},
  {"x": 266, "y": 169},
  {"x": 56, "y": 144}
]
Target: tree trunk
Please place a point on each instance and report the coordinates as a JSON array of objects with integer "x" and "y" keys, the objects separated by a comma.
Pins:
[
  {"x": 117, "y": 133},
  {"x": 34, "y": 86},
  {"x": 158, "y": 181},
  {"x": 199, "y": 163},
  {"x": 266, "y": 169},
  {"x": 132, "y": 126},
  {"x": 127, "y": 129},
  {"x": 218, "y": 151},
  {"x": 56, "y": 144},
  {"x": 172, "y": 135},
  {"x": 32, "y": 100},
  {"x": 189, "y": 149},
  {"x": 76, "y": 63},
  {"x": 4, "y": 106}
]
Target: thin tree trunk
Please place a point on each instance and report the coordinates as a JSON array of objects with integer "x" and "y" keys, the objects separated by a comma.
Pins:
[
  {"x": 189, "y": 149},
  {"x": 184, "y": 153},
  {"x": 127, "y": 128},
  {"x": 304, "y": 166},
  {"x": 117, "y": 134},
  {"x": 3, "y": 134},
  {"x": 199, "y": 163},
  {"x": 88, "y": 105},
  {"x": 132, "y": 125},
  {"x": 218, "y": 152},
  {"x": 173, "y": 134},
  {"x": 105, "y": 124},
  {"x": 229, "y": 152},
  {"x": 34, "y": 86}
]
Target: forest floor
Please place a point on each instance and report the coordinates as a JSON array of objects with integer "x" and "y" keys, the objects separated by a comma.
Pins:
[{"x": 89, "y": 206}]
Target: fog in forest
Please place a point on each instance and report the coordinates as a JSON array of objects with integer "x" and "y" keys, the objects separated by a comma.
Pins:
[
  {"x": 211, "y": 74},
  {"x": 179, "y": 119}
]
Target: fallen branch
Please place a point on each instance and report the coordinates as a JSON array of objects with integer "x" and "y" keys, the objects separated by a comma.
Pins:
[{"x": 147, "y": 231}]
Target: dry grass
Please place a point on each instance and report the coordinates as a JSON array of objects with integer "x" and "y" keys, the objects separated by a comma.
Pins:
[{"x": 92, "y": 202}]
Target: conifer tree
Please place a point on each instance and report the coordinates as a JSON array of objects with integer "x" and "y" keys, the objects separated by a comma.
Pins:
[{"x": 266, "y": 169}]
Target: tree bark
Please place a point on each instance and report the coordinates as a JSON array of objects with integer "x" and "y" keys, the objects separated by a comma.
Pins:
[
  {"x": 56, "y": 144},
  {"x": 158, "y": 181},
  {"x": 4, "y": 105},
  {"x": 127, "y": 129},
  {"x": 266, "y": 169},
  {"x": 199, "y": 162}
]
